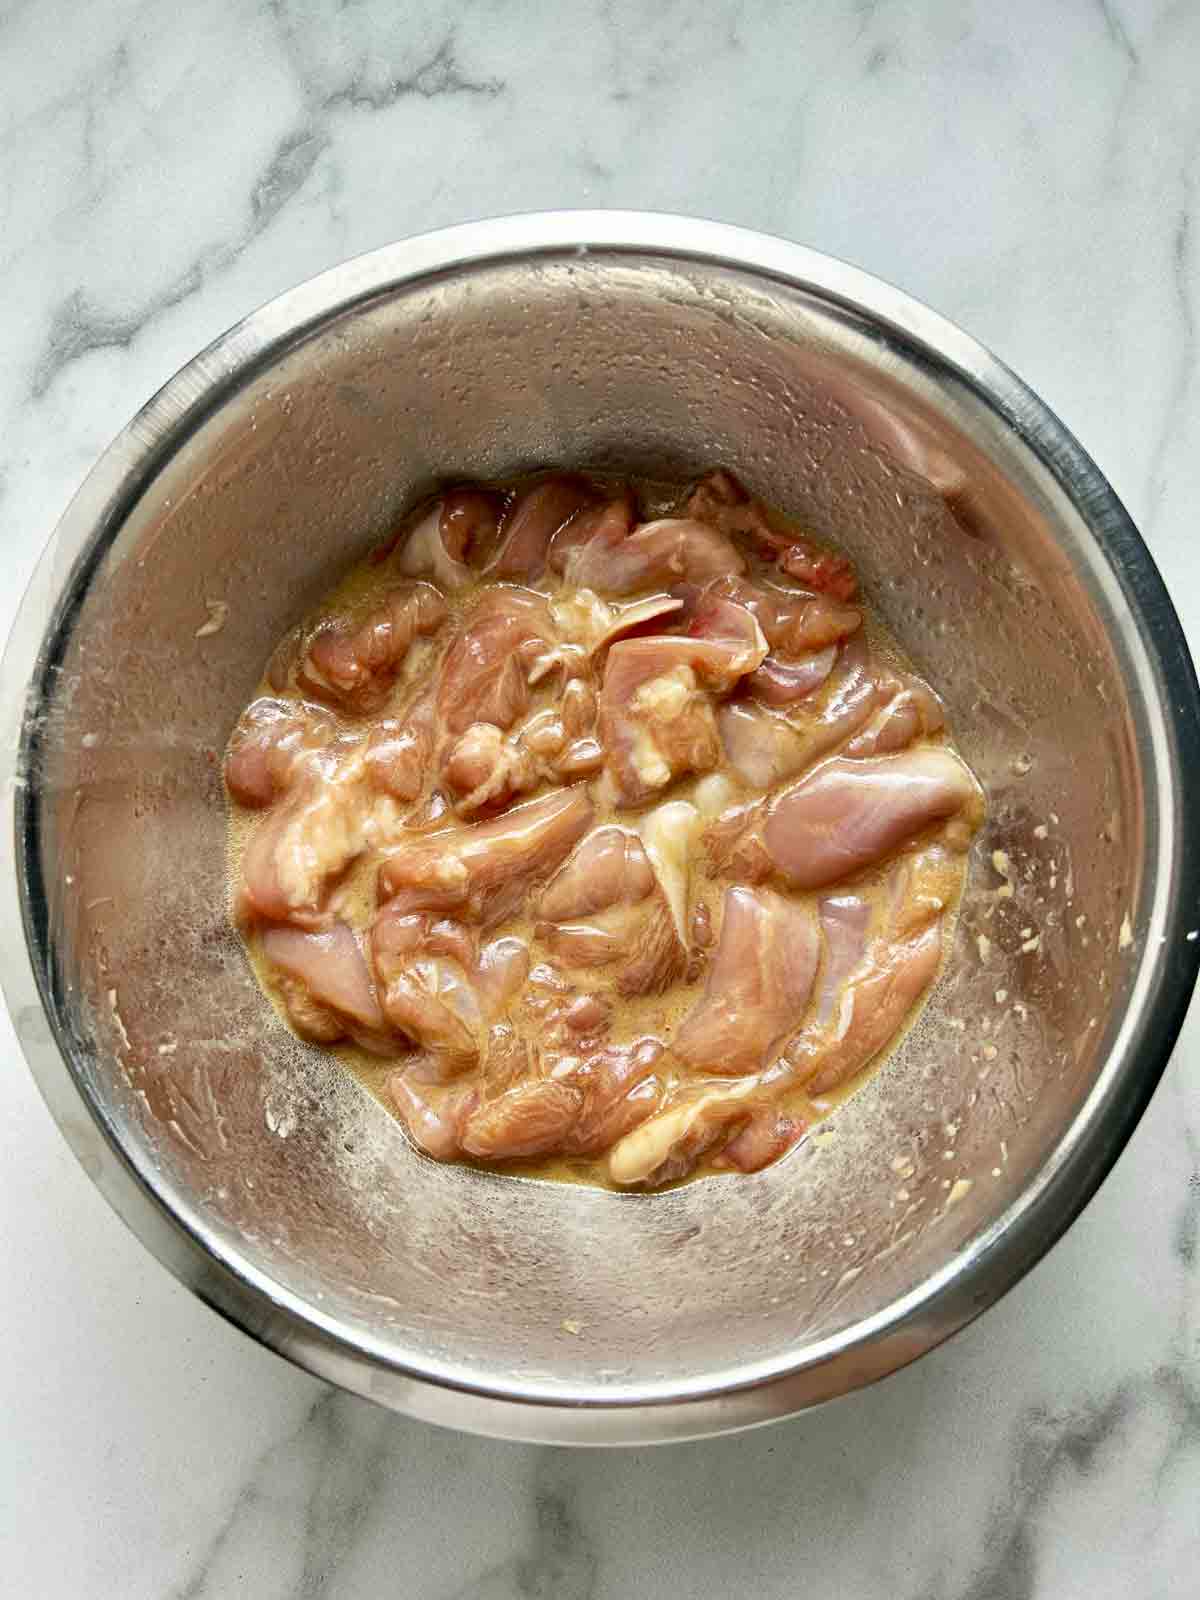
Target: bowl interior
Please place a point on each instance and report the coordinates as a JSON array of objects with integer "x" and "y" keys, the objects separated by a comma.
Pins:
[{"x": 261, "y": 1147}]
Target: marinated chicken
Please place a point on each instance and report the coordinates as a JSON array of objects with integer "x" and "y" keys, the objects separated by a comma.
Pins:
[{"x": 600, "y": 830}]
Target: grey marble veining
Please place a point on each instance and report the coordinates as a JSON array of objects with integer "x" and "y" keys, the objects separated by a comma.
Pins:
[{"x": 1033, "y": 172}]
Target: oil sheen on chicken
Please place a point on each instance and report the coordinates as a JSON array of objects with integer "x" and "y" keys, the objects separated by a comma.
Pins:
[{"x": 599, "y": 829}]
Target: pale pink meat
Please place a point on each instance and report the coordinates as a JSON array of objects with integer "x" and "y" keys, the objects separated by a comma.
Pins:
[
  {"x": 671, "y": 550},
  {"x": 758, "y": 982},
  {"x": 769, "y": 1134},
  {"x": 439, "y": 989},
  {"x": 793, "y": 624},
  {"x": 470, "y": 520},
  {"x": 663, "y": 656},
  {"x": 910, "y": 711},
  {"x": 330, "y": 969},
  {"x": 424, "y": 971},
  {"x": 483, "y": 677},
  {"x": 352, "y": 663},
  {"x": 529, "y": 1119},
  {"x": 875, "y": 1001},
  {"x": 606, "y": 1120},
  {"x": 532, "y": 521},
  {"x": 433, "y": 1116},
  {"x": 300, "y": 850},
  {"x": 484, "y": 769},
  {"x": 606, "y": 905},
  {"x": 610, "y": 867},
  {"x": 656, "y": 714},
  {"x": 720, "y": 500},
  {"x": 768, "y": 745},
  {"x": 400, "y": 749},
  {"x": 602, "y": 527},
  {"x": 845, "y": 925},
  {"x": 842, "y": 818},
  {"x": 760, "y": 746},
  {"x": 620, "y": 1090},
  {"x": 500, "y": 973},
  {"x": 460, "y": 523},
  {"x": 268, "y": 743},
  {"x": 816, "y": 567},
  {"x": 667, "y": 1145},
  {"x": 483, "y": 872},
  {"x": 850, "y": 814},
  {"x": 423, "y": 553},
  {"x": 780, "y": 682},
  {"x": 578, "y": 1108},
  {"x": 716, "y": 616}
]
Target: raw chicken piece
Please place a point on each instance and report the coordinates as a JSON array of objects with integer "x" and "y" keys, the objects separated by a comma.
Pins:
[
  {"x": 532, "y": 521},
  {"x": 815, "y": 567},
  {"x": 303, "y": 847},
  {"x": 668, "y": 1144},
  {"x": 720, "y": 500},
  {"x": 482, "y": 873},
  {"x": 802, "y": 632},
  {"x": 469, "y": 522},
  {"x": 793, "y": 624},
  {"x": 845, "y": 925},
  {"x": 717, "y": 616},
  {"x": 500, "y": 974},
  {"x": 671, "y": 550},
  {"x": 506, "y": 1063},
  {"x": 656, "y": 721},
  {"x": 867, "y": 991},
  {"x": 425, "y": 970},
  {"x": 620, "y": 1091},
  {"x": 439, "y": 989},
  {"x": 308, "y": 1017},
  {"x": 605, "y": 905},
  {"x": 603, "y": 527},
  {"x": 845, "y": 816},
  {"x": 849, "y": 814},
  {"x": 354, "y": 664},
  {"x": 586, "y": 620},
  {"x": 527, "y": 1120},
  {"x": 459, "y": 523},
  {"x": 484, "y": 768},
  {"x": 423, "y": 553},
  {"x": 780, "y": 682},
  {"x": 608, "y": 868},
  {"x": 758, "y": 984},
  {"x": 761, "y": 747},
  {"x": 433, "y": 1116},
  {"x": 769, "y": 1134},
  {"x": 765, "y": 747},
  {"x": 330, "y": 984},
  {"x": 263, "y": 756},
  {"x": 483, "y": 677},
  {"x": 578, "y": 1108},
  {"x": 400, "y": 749},
  {"x": 910, "y": 711}
]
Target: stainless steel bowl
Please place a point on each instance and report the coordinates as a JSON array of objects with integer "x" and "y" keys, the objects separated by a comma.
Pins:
[{"x": 993, "y": 546}]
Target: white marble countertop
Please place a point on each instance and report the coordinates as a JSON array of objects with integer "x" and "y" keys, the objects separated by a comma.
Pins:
[{"x": 1034, "y": 172}]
